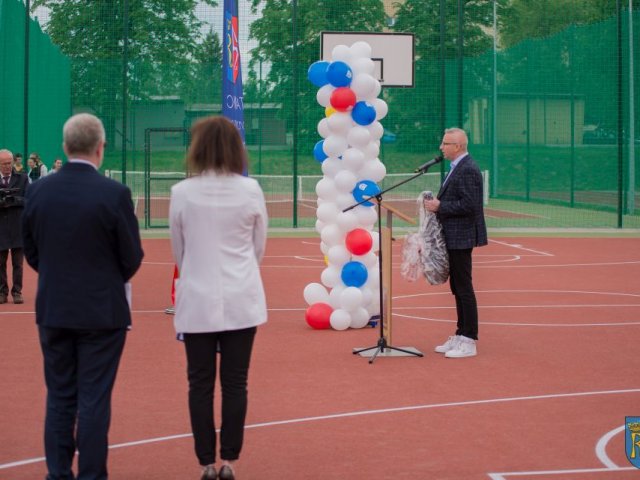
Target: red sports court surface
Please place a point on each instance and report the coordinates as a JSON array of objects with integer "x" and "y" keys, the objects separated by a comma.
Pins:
[{"x": 546, "y": 398}]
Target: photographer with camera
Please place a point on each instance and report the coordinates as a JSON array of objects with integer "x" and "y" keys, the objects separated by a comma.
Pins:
[{"x": 12, "y": 189}]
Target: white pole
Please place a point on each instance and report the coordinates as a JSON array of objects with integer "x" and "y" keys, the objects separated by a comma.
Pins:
[
  {"x": 631, "y": 197},
  {"x": 495, "y": 101}
]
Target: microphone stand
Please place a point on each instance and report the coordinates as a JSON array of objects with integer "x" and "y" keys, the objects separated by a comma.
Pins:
[{"x": 382, "y": 344}]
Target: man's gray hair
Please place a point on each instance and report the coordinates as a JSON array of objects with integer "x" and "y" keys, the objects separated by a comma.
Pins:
[
  {"x": 460, "y": 132},
  {"x": 6, "y": 152},
  {"x": 82, "y": 133}
]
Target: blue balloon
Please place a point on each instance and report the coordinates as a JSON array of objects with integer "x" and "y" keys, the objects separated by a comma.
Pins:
[
  {"x": 317, "y": 73},
  {"x": 339, "y": 74},
  {"x": 318, "y": 152},
  {"x": 365, "y": 189},
  {"x": 363, "y": 113},
  {"x": 354, "y": 274}
]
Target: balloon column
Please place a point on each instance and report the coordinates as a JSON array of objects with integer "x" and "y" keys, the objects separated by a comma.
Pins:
[{"x": 348, "y": 294}]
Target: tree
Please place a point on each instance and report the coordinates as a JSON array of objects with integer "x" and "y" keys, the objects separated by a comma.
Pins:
[
  {"x": 273, "y": 32},
  {"x": 415, "y": 113},
  {"x": 162, "y": 36}
]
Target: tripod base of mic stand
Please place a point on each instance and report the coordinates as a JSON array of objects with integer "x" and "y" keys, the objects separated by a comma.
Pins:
[{"x": 384, "y": 350}]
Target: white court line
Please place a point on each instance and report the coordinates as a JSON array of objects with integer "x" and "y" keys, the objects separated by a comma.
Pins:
[
  {"x": 601, "y": 446},
  {"x": 520, "y": 247},
  {"x": 363, "y": 413}
]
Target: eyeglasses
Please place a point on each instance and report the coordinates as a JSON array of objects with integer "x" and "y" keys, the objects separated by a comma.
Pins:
[{"x": 449, "y": 143}]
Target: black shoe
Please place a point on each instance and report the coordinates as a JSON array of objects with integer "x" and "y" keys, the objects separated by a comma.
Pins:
[
  {"x": 226, "y": 473},
  {"x": 3, "y": 299},
  {"x": 17, "y": 298},
  {"x": 209, "y": 473}
]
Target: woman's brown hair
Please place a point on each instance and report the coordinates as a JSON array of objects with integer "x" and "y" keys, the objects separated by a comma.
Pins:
[{"x": 216, "y": 145}]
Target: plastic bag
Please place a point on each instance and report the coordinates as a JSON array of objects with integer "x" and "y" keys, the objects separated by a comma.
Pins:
[{"x": 424, "y": 252}]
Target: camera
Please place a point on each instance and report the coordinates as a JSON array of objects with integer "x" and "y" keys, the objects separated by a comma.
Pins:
[{"x": 9, "y": 197}]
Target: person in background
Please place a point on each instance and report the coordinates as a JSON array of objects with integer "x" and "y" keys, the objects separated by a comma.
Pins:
[
  {"x": 57, "y": 165},
  {"x": 17, "y": 163},
  {"x": 81, "y": 235},
  {"x": 13, "y": 186},
  {"x": 459, "y": 208},
  {"x": 218, "y": 225},
  {"x": 33, "y": 171}
]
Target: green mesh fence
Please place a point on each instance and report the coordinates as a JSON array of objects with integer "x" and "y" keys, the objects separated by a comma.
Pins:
[
  {"x": 44, "y": 86},
  {"x": 551, "y": 113}
]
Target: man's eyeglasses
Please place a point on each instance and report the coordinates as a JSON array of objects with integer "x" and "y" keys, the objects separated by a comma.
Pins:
[{"x": 449, "y": 143}]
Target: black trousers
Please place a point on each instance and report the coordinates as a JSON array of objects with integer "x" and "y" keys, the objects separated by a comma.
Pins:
[
  {"x": 461, "y": 284},
  {"x": 235, "y": 354},
  {"x": 17, "y": 260},
  {"x": 80, "y": 369}
]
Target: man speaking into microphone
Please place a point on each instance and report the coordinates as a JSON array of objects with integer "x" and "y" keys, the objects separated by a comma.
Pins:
[{"x": 458, "y": 206}]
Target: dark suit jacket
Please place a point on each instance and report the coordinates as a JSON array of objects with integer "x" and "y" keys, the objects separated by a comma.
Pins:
[
  {"x": 11, "y": 206},
  {"x": 461, "y": 213},
  {"x": 81, "y": 236}
]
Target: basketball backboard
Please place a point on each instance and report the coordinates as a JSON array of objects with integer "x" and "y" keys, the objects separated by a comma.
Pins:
[{"x": 392, "y": 53}]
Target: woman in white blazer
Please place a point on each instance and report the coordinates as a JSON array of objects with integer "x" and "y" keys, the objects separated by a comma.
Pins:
[{"x": 218, "y": 223}]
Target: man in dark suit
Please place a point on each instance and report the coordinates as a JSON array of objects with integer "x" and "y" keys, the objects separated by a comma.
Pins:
[
  {"x": 81, "y": 236},
  {"x": 12, "y": 190},
  {"x": 459, "y": 209}
]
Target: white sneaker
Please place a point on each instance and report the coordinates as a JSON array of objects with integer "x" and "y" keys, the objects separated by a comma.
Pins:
[
  {"x": 466, "y": 347},
  {"x": 450, "y": 344}
]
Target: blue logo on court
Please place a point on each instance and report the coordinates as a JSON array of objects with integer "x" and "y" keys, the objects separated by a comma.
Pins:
[{"x": 632, "y": 440}]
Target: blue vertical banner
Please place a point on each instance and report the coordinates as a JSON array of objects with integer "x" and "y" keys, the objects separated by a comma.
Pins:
[{"x": 232, "y": 99}]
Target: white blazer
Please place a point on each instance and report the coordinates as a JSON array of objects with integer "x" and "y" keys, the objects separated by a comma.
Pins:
[{"x": 218, "y": 229}]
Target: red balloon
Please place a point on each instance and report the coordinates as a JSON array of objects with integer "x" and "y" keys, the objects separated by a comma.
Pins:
[
  {"x": 318, "y": 314},
  {"x": 359, "y": 241},
  {"x": 343, "y": 99}
]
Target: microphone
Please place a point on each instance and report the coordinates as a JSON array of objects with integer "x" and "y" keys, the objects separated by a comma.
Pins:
[{"x": 426, "y": 166}]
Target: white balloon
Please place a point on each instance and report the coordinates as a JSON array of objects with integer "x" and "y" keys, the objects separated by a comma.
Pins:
[
  {"x": 374, "y": 307},
  {"x": 376, "y": 129},
  {"x": 345, "y": 181},
  {"x": 353, "y": 159},
  {"x": 376, "y": 241},
  {"x": 339, "y": 123},
  {"x": 347, "y": 221},
  {"x": 340, "y": 319},
  {"x": 351, "y": 298},
  {"x": 314, "y": 293},
  {"x": 367, "y": 216},
  {"x": 324, "y": 248},
  {"x": 371, "y": 151},
  {"x": 323, "y": 128},
  {"x": 372, "y": 170},
  {"x": 332, "y": 235},
  {"x": 364, "y": 86},
  {"x": 377, "y": 90},
  {"x": 331, "y": 166},
  {"x": 381, "y": 108},
  {"x": 373, "y": 278},
  {"x": 363, "y": 65},
  {"x": 330, "y": 277},
  {"x": 327, "y": 212},
  {"x": 319, "y": 225},
  {"x": 344, "y": 200},
  {"x": 326, "y": 188},
  {"x": 368, "y": 260},
  {"x": 359, "y": 318},
  {"x": 338, "y": 255},
  {"x": 334, "y": 145},
  {"x": 359, "y": 137},
  {"x": 341, "y": 53},
  {"x": 361, "y": 49},
  {"x": 324, "y": 94},
  {"x": 367, "y": 296},
  {"x": 334, "y": 296}
]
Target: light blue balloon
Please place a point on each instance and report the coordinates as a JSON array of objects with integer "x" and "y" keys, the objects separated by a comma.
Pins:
[
  {"x": 317, "y": 73},
  {"x": 354, "y": 274},
  {"x": 363, "y": 113},
  {"x": 339, "y": 74}
]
